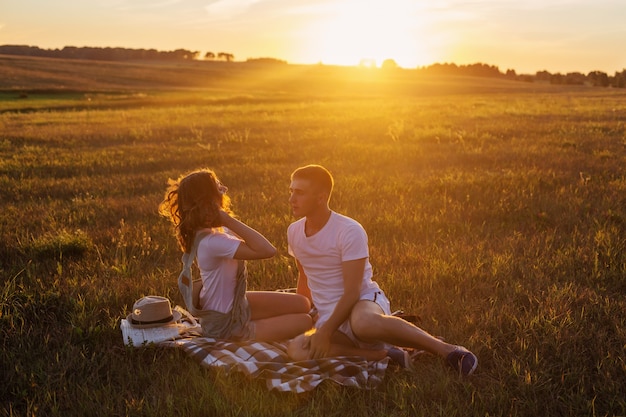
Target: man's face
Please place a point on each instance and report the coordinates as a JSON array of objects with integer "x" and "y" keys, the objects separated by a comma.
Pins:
[{"x": 303, "y": 198}]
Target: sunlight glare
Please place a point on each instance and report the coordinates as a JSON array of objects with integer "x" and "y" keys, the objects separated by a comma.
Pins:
[{"x": 353, "y": 31}]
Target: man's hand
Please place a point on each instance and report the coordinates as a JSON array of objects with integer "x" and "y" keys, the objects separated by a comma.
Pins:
[{"x": 318, "y": 344}]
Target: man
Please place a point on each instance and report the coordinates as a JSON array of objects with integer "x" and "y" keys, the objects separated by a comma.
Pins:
[{"x": 332, "y": 257}]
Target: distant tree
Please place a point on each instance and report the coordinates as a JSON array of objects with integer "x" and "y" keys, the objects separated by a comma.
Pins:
[
  {"x": 575, "y": 78},
  {"x": 225, "y": 56},
  {"x": 442, "y": 69},
  {"x": 557, "y": 78},
  {"x": 543, "y": 76},
  {"x": 449, "y": 68},
  {"x": 185, "y": 54},
  {"x": 150, "y": 54},
  {"x": 266, "y": 61},
  {"x": 389, "y": 64},
  {"x": 510, "y": 73},
  {"x": 619, "y": 79},
  {"x": 481, "y": 70},
  {"x": 209, "y": 55},
  {"x": 598, "y": 79},
  {"x": 475, "y": 70}
]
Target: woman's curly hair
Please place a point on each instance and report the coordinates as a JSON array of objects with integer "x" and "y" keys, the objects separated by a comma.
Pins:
[{"x": 192, "y": 202}]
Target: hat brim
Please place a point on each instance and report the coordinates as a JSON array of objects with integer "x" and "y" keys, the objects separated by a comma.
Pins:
[{"x": 176, "y": 316}]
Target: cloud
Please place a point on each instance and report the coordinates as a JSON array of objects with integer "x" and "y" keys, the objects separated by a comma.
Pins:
[
  {"x": 228, "y": 9},
  {"x": 131, "y": 5}
]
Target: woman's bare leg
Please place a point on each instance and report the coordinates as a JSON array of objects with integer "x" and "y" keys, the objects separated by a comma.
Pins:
[
  {"x": 282, "y": 327},
  {"x": 266, "y": 304}
]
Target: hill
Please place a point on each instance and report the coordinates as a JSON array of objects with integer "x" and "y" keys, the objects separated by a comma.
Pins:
[{"x": 34, "y": 74}]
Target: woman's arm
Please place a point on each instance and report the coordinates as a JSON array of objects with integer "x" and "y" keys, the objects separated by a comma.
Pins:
[{"x": 254, "y": 244}]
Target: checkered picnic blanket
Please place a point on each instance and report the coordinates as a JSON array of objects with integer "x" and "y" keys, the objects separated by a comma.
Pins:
[{"x": 270, "y": 362}]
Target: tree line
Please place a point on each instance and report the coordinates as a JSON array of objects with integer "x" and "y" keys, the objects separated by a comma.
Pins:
[
  {"x": 112, "y": 54},
  {"x": 593, "y": 78}
]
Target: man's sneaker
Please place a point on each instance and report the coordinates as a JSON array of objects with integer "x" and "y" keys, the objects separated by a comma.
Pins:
[
  {"x": 463, "y": 361},
  {"x": 401, "y": 357}
]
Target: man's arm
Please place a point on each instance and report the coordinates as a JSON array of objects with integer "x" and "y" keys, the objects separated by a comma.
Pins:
[
  {"x": 352, "y": 281},
  {"x": 302, "y": 287}
]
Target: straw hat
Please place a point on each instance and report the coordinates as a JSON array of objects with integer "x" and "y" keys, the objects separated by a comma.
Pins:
[{"x": 152, "y": 311}]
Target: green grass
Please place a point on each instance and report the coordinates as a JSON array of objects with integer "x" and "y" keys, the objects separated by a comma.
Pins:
[{"x": 495, "y": 212}]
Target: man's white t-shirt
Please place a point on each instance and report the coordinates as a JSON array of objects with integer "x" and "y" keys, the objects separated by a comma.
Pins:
[
  {"x": 341, "y": 239},
  {"x": 218, "y": 270}
]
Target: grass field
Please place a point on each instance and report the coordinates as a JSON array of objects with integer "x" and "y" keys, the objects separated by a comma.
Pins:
[{"x": 496, "y": 212}]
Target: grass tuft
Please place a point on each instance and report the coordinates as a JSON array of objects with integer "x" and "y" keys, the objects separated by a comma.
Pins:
[{"x": 58, "y": 245}]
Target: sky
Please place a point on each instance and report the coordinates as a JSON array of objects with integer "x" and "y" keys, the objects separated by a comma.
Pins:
[{"x": 526, "y": 36}]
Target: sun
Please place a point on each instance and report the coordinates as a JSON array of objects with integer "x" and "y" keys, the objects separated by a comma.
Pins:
[{"x": 353, "y": 31}]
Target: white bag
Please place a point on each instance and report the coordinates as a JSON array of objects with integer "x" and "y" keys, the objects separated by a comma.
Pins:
[
  {"x": 138, "y": 337},
  {"x": 189, "y": 287}
]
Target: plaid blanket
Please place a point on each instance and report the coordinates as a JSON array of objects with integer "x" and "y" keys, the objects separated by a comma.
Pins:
[{"x": 270, "y": 362}]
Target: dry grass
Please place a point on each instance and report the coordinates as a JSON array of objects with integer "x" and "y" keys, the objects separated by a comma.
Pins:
[{"x": 498, "y": 215}]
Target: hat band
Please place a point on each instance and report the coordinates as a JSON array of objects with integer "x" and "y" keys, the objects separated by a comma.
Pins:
[{"x": 165, "y": 320}]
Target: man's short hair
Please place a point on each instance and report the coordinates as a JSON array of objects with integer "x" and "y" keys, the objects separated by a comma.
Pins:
[{"x": 320, "y": 178}]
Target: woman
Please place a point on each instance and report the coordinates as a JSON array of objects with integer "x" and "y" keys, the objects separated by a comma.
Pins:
[{"x": 197, "y": 205}]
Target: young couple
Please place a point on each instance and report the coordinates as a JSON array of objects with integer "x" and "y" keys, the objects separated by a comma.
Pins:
[{"x": 334, "y": 274}]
